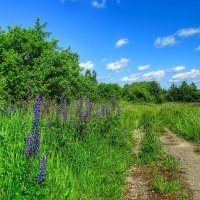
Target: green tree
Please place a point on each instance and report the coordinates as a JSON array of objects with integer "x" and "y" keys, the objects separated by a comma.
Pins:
[
  {"x": 107, "y": 90},
  {"x": 30, "y": 59}
]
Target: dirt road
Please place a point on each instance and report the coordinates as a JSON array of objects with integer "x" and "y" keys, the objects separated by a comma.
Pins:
[{"x": 189, "y": 160}]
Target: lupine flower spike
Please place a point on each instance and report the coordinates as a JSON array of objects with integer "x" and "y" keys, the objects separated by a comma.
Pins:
[{"x": 42, "y": 171}]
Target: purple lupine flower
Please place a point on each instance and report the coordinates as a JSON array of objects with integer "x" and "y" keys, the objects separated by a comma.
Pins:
[
  {"x": 36, "y": 143},
  {"x": 37, "y": 109},
  {"x": 107, "y": 111},
  {"x": 79, "y": 107},
  {"x": 28, "y": 146},
  {"x": 42, "y": 171},
  {"x": 64, "y": 105},
  {"x": 103, "y": 109},
  {"x": 113, "y": 101},
  {"x": 88, "y": 106},
  {"x": 85, "y": 116}
]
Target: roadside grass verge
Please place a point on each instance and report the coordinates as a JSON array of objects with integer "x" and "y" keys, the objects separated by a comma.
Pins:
[
  {"x": 165, "y": 180},
  {"x": 183, "y": 119}
]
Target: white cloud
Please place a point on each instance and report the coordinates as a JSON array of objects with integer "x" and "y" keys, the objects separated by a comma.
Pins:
[
  {"x": 165, "y": 41},
  {"x": 171, "y": 39},
  {"x": 193, "y": 75},
  {"x": 118, "y": 65},
  {"x": 150, "y": 76},
  {"x": 197, "y": 49},
  {"x": 176, "y": 69},
  {"x": 143, "y": 67},
  {"x": 99, "y": 4},
  {"x": 188, "y": 32},
  {"x": 87, "y": 65},
  {"x": 121, "y": 42}
]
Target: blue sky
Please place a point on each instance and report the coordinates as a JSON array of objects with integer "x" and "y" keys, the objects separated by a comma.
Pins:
[{"x": 123, "y": 40}]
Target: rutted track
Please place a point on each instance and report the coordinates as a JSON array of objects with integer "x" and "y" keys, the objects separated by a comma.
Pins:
[
  {"x": 137, "y": 187},
  {"x": 189, "y": 160}
]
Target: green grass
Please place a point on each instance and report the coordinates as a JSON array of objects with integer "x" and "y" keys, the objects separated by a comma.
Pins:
[
  {"x": 164, "y": 186},
  {"x": 89, "y": 161},
  {"x": 183, "y": 119},
  {"x": 84, "y": 160}
]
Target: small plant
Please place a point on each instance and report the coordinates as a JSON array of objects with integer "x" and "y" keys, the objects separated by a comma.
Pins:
[
  {"x": 170, "y": 163},
  {"x": 164, "y": 186},
  {"x": 151, "y": 149}
]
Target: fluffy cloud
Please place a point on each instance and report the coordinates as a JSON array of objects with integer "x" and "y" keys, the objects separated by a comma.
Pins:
[
  {"x": 99, "y": 4},
  {"x": 165, "y": 41},
  {"x": 87, "y": 65},
  {"x": 188, "y": 32},
  {"x": 150, "y": 76},
  {"x": 143, "y": 67},
  {"x": 197, "y": 49},
  {"x": 118, "y": 65},
  {"x": 193, "y": 75},
  {"x": 176, "y": 69},
  {"x": 121, "y": 42},
  {"x": 171, "y": 39}
]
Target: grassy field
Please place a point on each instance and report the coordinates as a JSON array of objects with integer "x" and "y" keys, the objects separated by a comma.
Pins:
[{"x": 87, "y": 158}]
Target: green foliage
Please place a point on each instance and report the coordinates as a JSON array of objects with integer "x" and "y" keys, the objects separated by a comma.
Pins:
[
  {"x": 183, "y": 93},
  {"x": 30, "y": 60},
  {"x": 108, "y": 90},
  {"x": 143, "y": 92}
]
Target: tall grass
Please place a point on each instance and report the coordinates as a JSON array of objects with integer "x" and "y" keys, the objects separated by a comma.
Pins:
[
  {"x": 184, "y": 119},
  {"x": 84, "y": 159}
]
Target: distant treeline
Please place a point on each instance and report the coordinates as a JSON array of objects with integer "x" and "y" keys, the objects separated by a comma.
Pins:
[{"x": 31, "y": 62}]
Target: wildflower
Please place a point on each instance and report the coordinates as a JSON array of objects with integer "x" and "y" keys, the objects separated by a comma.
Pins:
[
  {"x": 37, "y": 109},
  {"x": 103, "y": 110},
  {"x": 64, "y": 105},
  {"x": 79, "y": 107},
  {"x": 107, "y": 111},
  {"x": 36, "y": 143},
  {"x": 85, "y": 116},
  {"x": 28, "y": 146},
  {"x": 88, "y": 106},
  {"x": 42, "y": 171}
]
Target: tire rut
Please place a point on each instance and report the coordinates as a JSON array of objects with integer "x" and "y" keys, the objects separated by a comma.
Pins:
[
  {"x": 137, "y": 188},
  {"x": 189, "y": 160}
]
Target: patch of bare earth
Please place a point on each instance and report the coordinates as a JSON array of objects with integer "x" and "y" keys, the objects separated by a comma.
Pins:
[
  {"x": 189, "y": 160},
  {"x": 137, "y": 185}
]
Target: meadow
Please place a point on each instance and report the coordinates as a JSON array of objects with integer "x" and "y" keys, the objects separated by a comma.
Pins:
[{"x": 80, "y": 149}]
